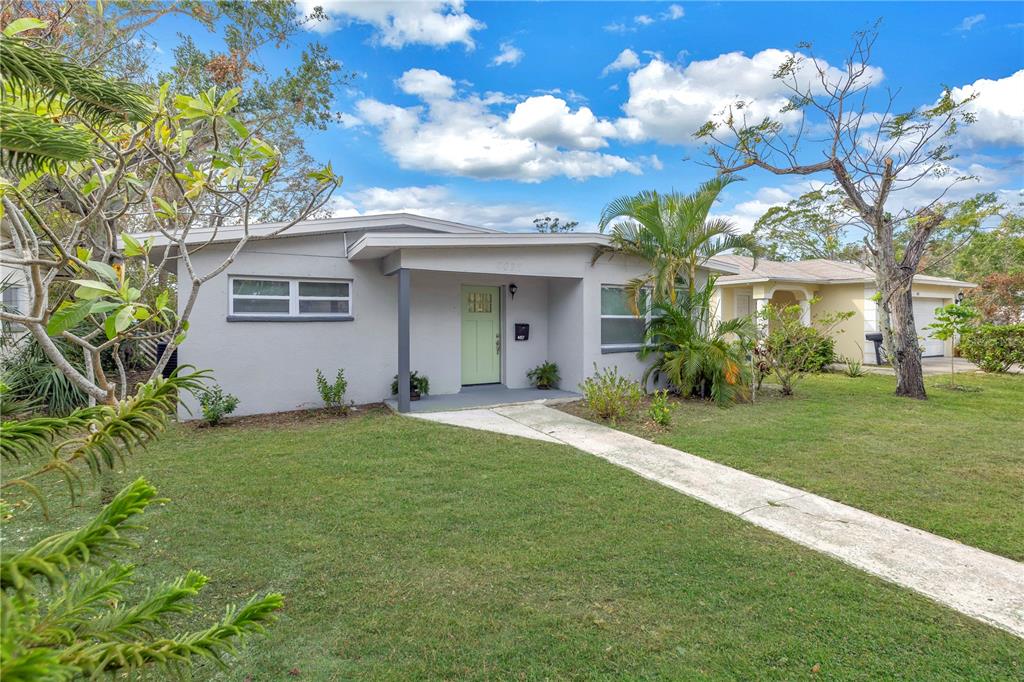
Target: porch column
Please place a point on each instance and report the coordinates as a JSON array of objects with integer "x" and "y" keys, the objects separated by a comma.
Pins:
[
  {"x": 403, "y": 339},
  {"x": 805, "y": 312},
  {"x": 762, "y": 323}
]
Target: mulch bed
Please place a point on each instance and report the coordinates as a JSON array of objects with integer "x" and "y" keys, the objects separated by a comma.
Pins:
[{"x": 321, "y": 415}]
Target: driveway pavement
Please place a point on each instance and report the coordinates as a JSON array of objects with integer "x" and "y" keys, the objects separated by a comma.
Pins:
[{"x": 977, "y": 583}]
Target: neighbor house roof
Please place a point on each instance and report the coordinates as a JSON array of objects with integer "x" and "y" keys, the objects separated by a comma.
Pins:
[{"x": 815, "y": 271}]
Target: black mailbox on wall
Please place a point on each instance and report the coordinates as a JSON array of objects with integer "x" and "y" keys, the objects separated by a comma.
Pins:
[{"x": 522, "y": 331}]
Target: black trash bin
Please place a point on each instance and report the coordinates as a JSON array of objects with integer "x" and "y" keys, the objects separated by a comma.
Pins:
[{"x": 876, "y": 339}]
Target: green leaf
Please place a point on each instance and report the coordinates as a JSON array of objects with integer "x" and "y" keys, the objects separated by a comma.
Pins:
[
  {"x": 132, "y": 247},
  {"x": 179, "y": 339},
  {"x": 166, "y": 210},
  {"x": 109, "y": 328},
  {"x": 99, "y": 307},
  {"x": 103, "y": 271},
  {"x": 124, "y": 318},
  {"x": 24, "y": 24},
  {"x": 68, "y": 316},
  {"x": 161, "y": 299},
  {"x": 90, "y": 289},
  {"x": 237, "y": 126}
]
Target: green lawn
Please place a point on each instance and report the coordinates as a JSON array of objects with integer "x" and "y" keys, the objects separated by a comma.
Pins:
[
  {"x": 953, "y": 464},
  {"x": 410, "y": 550}
]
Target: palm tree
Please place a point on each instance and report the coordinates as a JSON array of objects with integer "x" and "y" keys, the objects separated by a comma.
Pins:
[
  {"x": 673, "y": 233},
  {"x": 697, "y": 355}
]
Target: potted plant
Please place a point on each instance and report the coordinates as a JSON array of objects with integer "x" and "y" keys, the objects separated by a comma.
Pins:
[
  {"x": 544, "y": 376},
  {"x": 418, "y": 385}
]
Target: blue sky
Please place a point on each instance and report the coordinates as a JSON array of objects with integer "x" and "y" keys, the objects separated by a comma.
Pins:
[{"x": 496, "y": 113}]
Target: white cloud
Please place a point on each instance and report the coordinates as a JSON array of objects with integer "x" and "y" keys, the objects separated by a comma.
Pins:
[
  {"x": 673, "y": 12},
  {"x": 970, "y": 22},
  {"x": 617, "y": 27},
  {"x": 626, "y": 61},
  {"x": 668, "y": 102},
  {"x": 508, "y": 54},
  {"x": 427, "y": 84},
  {"x": 541, "y": 138},
  {"x": 431, "y": 22},
  {"x": 435, "y": 201},
  {"x": 999, "y": 108},
  {"x": 349, "y": 121},
  {"x": 643, "y": 20}
]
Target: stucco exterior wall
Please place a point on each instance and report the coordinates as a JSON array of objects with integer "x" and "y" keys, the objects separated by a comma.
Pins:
[
  {"x": 270, "y": 365},
  {"x": 841, "y": 298}
]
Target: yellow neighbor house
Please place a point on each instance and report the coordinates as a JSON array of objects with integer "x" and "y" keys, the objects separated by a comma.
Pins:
[{"x": 823, "y": 286}]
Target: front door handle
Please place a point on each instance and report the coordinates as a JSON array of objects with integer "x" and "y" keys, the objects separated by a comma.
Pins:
[{"x": 497, "y": 343}]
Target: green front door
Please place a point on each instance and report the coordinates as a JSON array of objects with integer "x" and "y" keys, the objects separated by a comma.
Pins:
[{"x": 481, "y": 335}]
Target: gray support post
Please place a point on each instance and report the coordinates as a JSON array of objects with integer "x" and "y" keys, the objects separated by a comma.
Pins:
[{"x": 403, "y": 339}]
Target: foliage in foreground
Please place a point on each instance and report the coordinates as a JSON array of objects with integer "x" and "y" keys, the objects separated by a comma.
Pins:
[
  {"x": 65, "y": 616},
  {"x": 611, "y": 396},
  {"x": 63, "y": 611},
  {"x": 697, "y": 355},
  {"x": 994, "y": 348}
]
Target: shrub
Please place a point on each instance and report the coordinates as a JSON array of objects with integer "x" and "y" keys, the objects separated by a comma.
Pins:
[
  {"x": 418, "y": 385},
  {"x": 544, "y": 375},
  {"x": 216, "y": 404},
  {"x": 333, "y": 395},
  {"x": 610, "y": 395},
  {"x": 821, "y": 351},
  {"x": 660, "y": 411},
  {"x": 791, "y": 349},
  {"x": 994, "y": 347}
]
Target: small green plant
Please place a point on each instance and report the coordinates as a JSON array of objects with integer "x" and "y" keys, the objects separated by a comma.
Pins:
[
  {"x": 216, "y": 404},
  {"x": 544, "y": 376},
  {"x": 952, "y": 321},
  {"x": 333, "y": 395},
  {"x": 418, "y": 385},
  {"x": 854, "y": 368},
  {"x": 660, "y": 410},
  {"x": 611, "y": 396}
]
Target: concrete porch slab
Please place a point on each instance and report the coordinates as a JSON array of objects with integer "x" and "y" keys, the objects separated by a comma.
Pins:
[{"x": 488, "y": 395}]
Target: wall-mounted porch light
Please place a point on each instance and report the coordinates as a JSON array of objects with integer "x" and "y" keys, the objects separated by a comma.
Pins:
[{"x": 512, "y": 289}]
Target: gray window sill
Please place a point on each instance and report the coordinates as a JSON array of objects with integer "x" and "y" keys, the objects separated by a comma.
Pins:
[
  {"x": 621, "y": 349},
  {"x": 283, "y": 318}
]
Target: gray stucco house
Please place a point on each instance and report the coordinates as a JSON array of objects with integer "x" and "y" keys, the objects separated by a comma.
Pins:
[{"x": 378, "y": 295}]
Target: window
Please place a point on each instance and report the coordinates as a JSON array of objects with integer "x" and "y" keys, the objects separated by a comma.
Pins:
[
  {"x": 290, "y": 298},
  {"x": 13, "y": 303},
  {"x": 621, "y": 331}
]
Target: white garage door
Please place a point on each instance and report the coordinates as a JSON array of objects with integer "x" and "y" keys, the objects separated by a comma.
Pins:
[{"x": 924, "y": 315}]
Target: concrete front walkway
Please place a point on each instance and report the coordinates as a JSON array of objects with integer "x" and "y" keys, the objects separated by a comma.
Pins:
[{"x": 982, "y": 585}]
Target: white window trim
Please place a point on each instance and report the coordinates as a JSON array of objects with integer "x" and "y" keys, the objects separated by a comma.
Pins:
[
  {"x": 646, "y": 317},
  {"x": 293, "y": 298}
]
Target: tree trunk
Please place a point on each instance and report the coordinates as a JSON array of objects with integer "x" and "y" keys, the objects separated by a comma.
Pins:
[
  {"x": 896, "y": 315},
  {"x": 907, "y": 353}
]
